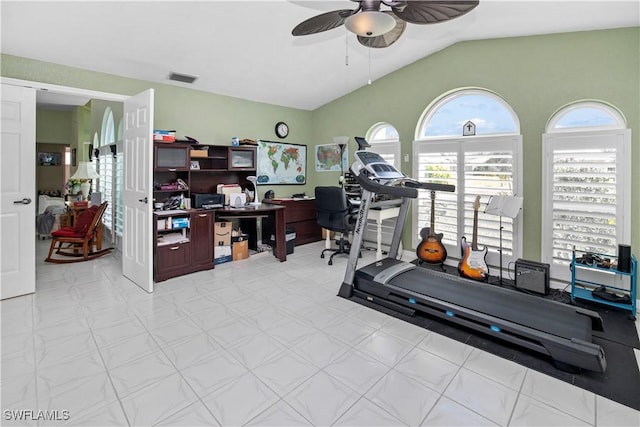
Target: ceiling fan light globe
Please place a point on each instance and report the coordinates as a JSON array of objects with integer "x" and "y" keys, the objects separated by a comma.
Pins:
[{"x": 370, "y": 23}]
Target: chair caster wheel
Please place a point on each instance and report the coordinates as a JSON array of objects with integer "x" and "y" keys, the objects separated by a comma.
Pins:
[
  {"x": 322, "y": 256},
  {"x": 330, "y": 262}
]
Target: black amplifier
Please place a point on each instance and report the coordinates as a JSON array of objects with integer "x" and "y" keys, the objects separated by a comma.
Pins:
[{"x": 532, "y": 276}]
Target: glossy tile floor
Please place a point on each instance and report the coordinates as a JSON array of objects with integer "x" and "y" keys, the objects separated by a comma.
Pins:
[{"x": 255, "y": 342}]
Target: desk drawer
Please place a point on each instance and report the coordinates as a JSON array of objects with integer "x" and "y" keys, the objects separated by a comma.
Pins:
[
  {"x": 172, "y": 260},
  {"x": 299, "y": 210},
  {"x": 306, "y": 231}
]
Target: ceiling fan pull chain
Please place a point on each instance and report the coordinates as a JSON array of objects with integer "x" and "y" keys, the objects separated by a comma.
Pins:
[
  {"x": 369, "y": 66},
  {"x": 346, "y": 47}
]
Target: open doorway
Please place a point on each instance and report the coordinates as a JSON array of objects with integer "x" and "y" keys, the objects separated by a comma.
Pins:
[{"x": 22, "y": 94}]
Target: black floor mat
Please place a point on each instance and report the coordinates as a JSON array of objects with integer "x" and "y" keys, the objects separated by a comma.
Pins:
[{"x": 620, "y": 382}]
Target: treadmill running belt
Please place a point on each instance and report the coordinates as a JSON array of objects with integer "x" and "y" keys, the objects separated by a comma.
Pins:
[{"x": 549, "y": 316}]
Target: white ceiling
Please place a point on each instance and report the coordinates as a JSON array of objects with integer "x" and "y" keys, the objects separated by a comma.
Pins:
[{"x": 245, "y": 49}]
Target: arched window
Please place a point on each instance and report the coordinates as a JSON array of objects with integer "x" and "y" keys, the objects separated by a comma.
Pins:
[
  {"x": 108, "y": 130},
  {"x": 586, "y": 115},
  {"x": 384, "y": 140},
  {"x": 106, "y": 167},
  {"x": 448, "y": 115},
  {"x": 586, "y": 181},
  {"x": 469, "y": 138}
]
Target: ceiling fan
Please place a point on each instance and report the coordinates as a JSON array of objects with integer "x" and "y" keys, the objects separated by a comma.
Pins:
[{"x": 376, "y": 28}]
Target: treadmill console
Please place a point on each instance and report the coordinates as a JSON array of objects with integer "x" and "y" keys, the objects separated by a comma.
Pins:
[{"x": 375, "y": 165}]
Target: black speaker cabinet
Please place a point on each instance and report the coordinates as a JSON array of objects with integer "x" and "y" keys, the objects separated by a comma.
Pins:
[
  {"x": 532, "y": 276},
  {"x": 624, "y": 258}
]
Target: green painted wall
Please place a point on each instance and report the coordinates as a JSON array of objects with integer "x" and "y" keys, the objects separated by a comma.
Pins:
[
  {"x": 537, "y": 75},
  {"x": 210, "y": 118},
  {"x": 54, "y": 127}
]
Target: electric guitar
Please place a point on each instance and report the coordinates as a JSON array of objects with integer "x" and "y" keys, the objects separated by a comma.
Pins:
[
  {"x": 473, "y": 265},
  {"x": 431, "y": 249}
]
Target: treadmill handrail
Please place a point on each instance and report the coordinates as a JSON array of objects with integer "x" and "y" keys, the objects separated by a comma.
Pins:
[
  {"x": 376, "y": 187},
  {"x": 429, "y": 185}
]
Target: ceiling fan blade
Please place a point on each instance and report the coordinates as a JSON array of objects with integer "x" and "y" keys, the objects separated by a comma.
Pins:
[
  {"x": 431, "y": 12},
  {"x": 323, "y": 22},
  {"x": 386, "y": 39}
]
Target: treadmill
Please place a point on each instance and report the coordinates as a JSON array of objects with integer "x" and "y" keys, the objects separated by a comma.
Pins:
[{"x": 560, "y": 331}]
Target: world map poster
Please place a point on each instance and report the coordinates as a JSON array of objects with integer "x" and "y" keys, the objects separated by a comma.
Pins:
[{"x": 281, "y": 163}]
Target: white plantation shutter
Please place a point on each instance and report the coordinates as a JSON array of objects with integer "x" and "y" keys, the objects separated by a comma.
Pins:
[
  {"x": 482, "y": 166},
  {"x": 436, "y": 165},
  {"x": 105, "y": 166},
  {"x": 119, "y": 166},
  {"x": 486, "y": 174},
  {"x": 586, "y": 202}
]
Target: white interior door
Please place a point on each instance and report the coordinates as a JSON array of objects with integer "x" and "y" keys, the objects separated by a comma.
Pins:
[
  {"x": 17, "y": 192},
  {"x": 137, "y": 239}
]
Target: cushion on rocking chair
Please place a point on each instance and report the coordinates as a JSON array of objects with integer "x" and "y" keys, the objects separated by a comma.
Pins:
[{"x": 81, "y": 226}]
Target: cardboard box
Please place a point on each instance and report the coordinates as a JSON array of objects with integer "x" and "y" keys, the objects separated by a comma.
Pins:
[
  {"x": 222, "y": 254},
  {"x": 222, "y": 260},
  {"x": 240, "y": 250},
  {"x": 222, "y": 233},
  {"x": 180, "y": 222},
  {"x": 199, "y": 153},
  {"x": 324, "y": 234}
]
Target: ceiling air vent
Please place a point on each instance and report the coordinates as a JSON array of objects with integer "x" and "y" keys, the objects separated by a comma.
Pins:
[{"x": 184, "y": 78}]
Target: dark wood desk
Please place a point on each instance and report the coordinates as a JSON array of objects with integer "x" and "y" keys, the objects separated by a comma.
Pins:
[
  {"x": 275, "y": 212},
  {"x": 301, "y": 216}
]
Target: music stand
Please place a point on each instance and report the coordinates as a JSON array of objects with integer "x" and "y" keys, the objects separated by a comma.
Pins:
[{"x": 500, "y": 206}]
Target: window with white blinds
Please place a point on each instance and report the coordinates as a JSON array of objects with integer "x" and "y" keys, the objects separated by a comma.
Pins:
[
  {"x": 119, "y": 167},
  {"x": 105, "y": 170},
  {"x": 586, "y": 202},
  {"x": 481, "y": 167},
  {"x": 384, "y": 140}
]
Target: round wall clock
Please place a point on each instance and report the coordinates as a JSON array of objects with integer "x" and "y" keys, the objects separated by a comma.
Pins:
[{"x": 282, "y": 129}]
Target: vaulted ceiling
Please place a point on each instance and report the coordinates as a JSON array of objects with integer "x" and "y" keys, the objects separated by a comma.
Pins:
[{"x": 245, "y": 49}]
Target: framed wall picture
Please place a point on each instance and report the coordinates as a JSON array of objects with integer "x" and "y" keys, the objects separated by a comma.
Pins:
[
  {"x": 281, "y": 163},
  {"x": 49, "y": 159},
  {"x": 74, "y": 156},
  {"x": 328, "y": 158}
]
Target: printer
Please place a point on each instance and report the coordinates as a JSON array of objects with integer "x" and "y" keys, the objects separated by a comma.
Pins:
[{"x": 207, "y": 201}]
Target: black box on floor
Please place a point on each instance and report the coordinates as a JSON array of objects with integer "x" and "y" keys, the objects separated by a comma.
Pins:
[
  {"x": 532, "y": 276},
  {"x": 290, "y": 238}
]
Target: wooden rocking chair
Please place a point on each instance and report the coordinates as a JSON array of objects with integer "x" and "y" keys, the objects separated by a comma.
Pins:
[{"x": 78, "y": 242}]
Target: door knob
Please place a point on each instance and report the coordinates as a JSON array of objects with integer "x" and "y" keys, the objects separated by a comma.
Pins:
[
  {"x": 145, "y": 200},
  {"x": 24, "y": 201}
]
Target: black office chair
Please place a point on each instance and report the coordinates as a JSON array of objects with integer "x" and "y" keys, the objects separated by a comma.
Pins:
[{"x": 334, "y": 212}]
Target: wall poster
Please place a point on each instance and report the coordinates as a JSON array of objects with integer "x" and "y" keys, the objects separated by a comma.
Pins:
[
  {"x": 328, "y": 158},
  {"x": 281, "y": 163}
]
